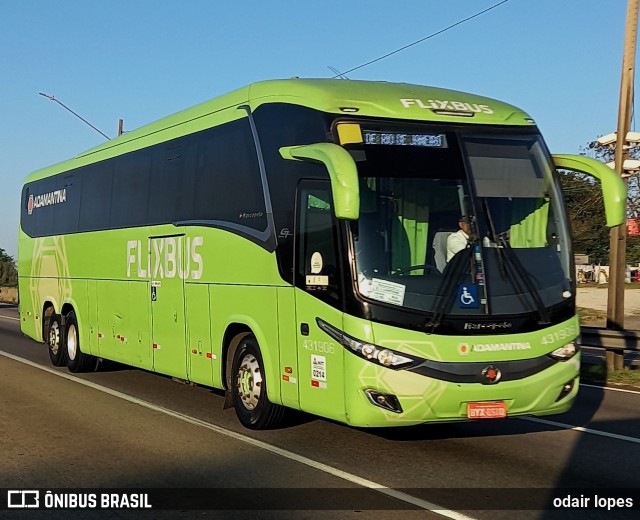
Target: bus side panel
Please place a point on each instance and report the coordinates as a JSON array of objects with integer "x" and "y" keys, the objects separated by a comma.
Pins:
[
  {"x": 290, "y": 377},
  {"x": 137, "y": 326},
  {"x": 44, "y": 277},
  {"x": 256, "y": 308},
  {"x": 199, "y": 355},
  {"x": 123, "y": 318},
  {"x": 30, "y": 315},
  {"x": 92, "y": 317},
  {"x": 320, "y": 359}
]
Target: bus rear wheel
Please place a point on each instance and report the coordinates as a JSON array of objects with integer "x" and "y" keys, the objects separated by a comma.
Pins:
[
  {"x": 249, "y": 389},
  {"x": 77, "y": 361},
  {"x": 57, "y": 353}
]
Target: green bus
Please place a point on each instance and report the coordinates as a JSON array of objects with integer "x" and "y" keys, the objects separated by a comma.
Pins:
[{"x": 289, "y": 243}]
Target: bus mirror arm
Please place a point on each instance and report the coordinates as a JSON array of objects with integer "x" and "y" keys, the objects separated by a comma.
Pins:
[
  {"x": 343, "y": 174},
  {"x": 614, "y": 190}
]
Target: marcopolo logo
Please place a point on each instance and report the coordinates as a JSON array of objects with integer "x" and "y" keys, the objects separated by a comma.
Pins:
[
  {"x": 501, "y": 325},
  {"x": 46, "y": 199}
]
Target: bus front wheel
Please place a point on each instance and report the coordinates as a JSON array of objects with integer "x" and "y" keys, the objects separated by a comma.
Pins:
[
  {"x": 77, "y": 361},
  {"x": 249, "y": 390}
]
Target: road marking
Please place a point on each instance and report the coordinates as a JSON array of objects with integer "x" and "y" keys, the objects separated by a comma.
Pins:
[
  {"x": 9, "y": 318},
  {"x": 374, "y": 486},
  {"x": 612, "y": 388},
  {"x": 582, "y": 429}
]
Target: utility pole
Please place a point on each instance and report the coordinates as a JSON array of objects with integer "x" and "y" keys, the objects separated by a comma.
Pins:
[
  {"x": 52, "y": 98},
  {"x": 120, "y": 127},
  {"x": 618, "y": 237}
]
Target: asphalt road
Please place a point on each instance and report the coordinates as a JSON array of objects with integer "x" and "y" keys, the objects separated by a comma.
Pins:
[{"x": 128, "y": 428}]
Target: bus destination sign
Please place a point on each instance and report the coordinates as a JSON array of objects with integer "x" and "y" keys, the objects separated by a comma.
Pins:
[{"x": 404, "y": 139}]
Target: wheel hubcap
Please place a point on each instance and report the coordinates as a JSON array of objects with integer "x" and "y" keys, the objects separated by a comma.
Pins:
[
  {"x": 249, "y": 381},
  {"x": 72, "y": 341},
  {"x": 54, "y": 337}
]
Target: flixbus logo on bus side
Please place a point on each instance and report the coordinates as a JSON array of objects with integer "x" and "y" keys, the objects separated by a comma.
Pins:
[
  {"x": 449, "y": 106},
  {"x": 165, "y": 257}
]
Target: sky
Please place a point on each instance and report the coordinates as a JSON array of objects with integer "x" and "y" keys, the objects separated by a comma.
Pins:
[{"x": 140, "y": 60}]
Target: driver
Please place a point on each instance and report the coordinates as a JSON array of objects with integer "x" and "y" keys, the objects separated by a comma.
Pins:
[{"x": 459, "y": 240}]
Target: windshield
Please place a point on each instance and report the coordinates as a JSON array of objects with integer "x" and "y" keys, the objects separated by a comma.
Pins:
[{"x": 455, "y": 224}]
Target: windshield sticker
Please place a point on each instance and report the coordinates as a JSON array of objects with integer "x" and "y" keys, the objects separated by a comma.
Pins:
[
  {"x": 387, "y": 292},
  {"x": 317, "y": 281},
  {"x": 316, "y": 263},
  {"x": 468, "y": 296}
]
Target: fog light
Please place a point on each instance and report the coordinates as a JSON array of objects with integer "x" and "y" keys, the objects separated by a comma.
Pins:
[
  {"x": 566, "y": 389},
  {"x": 387, "y": 401}
]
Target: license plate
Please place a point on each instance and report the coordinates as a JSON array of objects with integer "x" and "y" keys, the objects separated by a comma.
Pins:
[{"x": 487, "y": 410}]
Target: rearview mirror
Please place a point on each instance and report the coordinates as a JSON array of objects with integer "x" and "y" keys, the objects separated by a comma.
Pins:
[
  {"x": 613, "y": 189},
  {"x": 343, "y": 174}
]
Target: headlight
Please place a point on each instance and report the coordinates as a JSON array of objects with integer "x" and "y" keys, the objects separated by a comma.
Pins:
[
  {"x": 384, "y": 356},
  {"x": 566, "y": 351}
]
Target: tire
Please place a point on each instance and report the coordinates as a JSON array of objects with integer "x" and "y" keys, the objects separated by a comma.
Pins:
[
  {"x": 54, "y": 338},
  {"x": 249, "y": 389},
  {"x": 77, "y": 361}
]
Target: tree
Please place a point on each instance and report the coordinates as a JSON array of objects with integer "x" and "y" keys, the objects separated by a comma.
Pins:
[
  {"x": 8, "y": 271},
  {"x": 585, "y": 205}
]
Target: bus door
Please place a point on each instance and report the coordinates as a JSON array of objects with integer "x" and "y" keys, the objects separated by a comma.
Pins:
[
  {"x": 167, "y": 305},
  {"x": 320, "y": 359}
]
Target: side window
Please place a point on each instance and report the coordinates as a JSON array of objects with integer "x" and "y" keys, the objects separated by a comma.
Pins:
[
  {"x": 316, "y": 230},
  {"x": 95, "y": 206},
  {"x": 228, "y": 182},
  {"x": 131, "y": 181}
]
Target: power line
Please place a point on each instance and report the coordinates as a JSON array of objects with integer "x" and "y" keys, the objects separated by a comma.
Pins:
[{"x": 423, "y": 39}]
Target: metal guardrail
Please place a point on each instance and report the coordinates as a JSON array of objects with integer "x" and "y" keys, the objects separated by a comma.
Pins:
[{"x": 608, "y": 339}]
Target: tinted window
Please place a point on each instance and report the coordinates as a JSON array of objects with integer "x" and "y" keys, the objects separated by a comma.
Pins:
[
  {"x": 95, "y": 206},
  {"x": 211, "y": 175},
  {"x": 131, "y": 188},
  {"x": 281, "y": 125},
  {"x": 228, "y": 183},
  {"x": 318, "y": 268}
]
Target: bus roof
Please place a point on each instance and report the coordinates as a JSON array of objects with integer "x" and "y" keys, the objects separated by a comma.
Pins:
[{"x": 400, "y": 101}]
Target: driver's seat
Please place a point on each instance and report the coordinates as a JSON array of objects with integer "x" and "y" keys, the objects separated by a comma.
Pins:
[{"x": 440, "y": 249}]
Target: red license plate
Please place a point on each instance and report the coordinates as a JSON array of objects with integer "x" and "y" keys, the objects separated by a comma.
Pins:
[{"x": 487, "y": 410}]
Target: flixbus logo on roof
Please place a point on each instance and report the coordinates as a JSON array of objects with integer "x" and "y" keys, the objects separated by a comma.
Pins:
[
  {"x": 447, "y": 106},
  {"x": 165, "y": 257}
]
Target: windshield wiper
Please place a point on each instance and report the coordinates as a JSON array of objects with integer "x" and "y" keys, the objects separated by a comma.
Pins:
[
  {"x": 494, "y": 237},
  {"x": 526, "y": 278},
  {"x": 502, "y": 243},
  {"x": 451, "y": 277}
]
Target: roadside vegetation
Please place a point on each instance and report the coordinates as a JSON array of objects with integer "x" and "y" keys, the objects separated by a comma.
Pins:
[
  {"x": 8, "y": 278},
  {"x": 598, "y": 375},
  {"x": 8, "y": 270}
]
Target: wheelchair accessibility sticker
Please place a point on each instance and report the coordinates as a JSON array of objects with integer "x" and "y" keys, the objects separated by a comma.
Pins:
[{"x": 468, "y": 296}]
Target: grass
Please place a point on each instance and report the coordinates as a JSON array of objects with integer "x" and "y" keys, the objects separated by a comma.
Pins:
[
  {"x": 597, "y": 374},
  {"x": 592, "y": 317}
]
